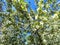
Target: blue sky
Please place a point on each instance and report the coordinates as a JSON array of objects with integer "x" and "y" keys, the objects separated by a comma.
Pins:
[{"x": 31, "y": 4}]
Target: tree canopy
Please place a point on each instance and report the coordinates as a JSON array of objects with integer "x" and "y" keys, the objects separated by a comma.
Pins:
[{"x": 21, "y": 27}]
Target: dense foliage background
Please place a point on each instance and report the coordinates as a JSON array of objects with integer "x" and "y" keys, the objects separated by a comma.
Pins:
[{"x": 20, "y": 27}]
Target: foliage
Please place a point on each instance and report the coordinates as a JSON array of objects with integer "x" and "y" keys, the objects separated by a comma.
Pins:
[{"x": 42, "y": 26}]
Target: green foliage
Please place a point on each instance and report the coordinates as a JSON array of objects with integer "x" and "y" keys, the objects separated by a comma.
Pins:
[{"x": 44, "y": 25}]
